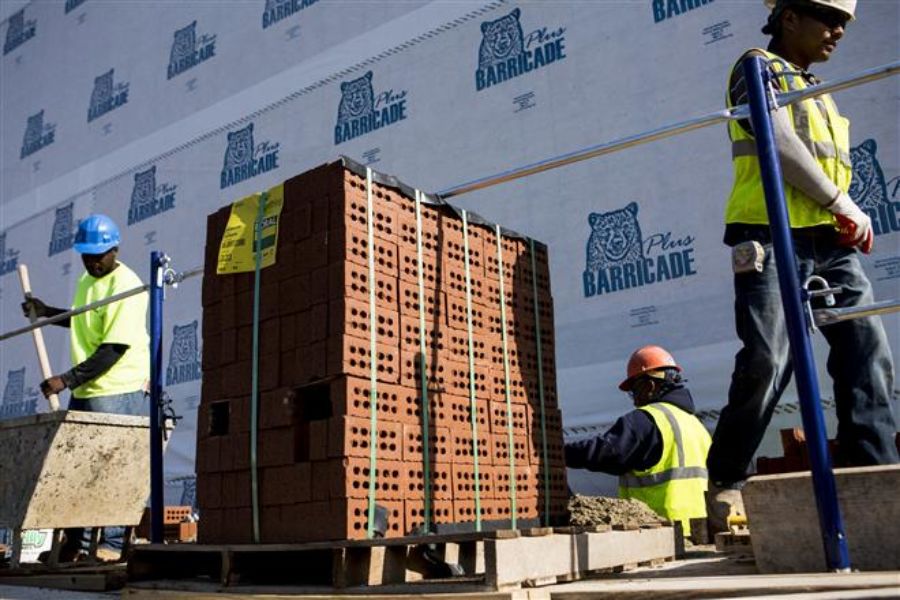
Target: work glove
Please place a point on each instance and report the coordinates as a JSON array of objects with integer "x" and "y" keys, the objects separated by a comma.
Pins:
[
  {"x": 854, "y": 226},
  {"x": 40, "y": 309}
]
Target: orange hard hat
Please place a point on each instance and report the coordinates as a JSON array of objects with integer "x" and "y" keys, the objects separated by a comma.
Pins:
[{"x": 646, "y": 360}]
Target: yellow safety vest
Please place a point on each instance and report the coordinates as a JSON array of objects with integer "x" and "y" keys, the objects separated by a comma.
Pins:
[
  {"x": 822, "y": 130},
  {"x": 674, "y": 487}
]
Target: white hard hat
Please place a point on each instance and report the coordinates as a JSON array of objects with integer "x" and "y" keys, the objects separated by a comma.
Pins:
[{"x": 847, "y": 7}]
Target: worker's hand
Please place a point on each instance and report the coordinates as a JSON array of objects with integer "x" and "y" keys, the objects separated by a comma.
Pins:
[
  {"x": 855, "y": 226},
  {"x": 53, "y": 385},
  {"x": 36, "y": 304}
]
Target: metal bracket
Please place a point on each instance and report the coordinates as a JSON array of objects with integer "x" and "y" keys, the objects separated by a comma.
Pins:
[{"x": 823, "y": 289}]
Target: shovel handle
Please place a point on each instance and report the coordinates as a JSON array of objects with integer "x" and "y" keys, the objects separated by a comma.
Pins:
[{"x": 38, "y": 336}]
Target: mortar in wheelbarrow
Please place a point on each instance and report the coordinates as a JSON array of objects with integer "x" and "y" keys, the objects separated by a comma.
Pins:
[{"x": 73, "y": 469}]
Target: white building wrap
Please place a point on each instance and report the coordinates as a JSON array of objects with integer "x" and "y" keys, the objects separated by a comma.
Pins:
[{"x": 158, "y": 115}]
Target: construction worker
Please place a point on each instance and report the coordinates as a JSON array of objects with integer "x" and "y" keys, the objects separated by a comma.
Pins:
[
  {"x": 828, "y": 231},
  {"x": 658, "y": 450},
  {"x": 109, "y": 345}
]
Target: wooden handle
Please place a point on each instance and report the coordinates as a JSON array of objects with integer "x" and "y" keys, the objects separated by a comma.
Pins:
[{"x": 38, "y": 336}]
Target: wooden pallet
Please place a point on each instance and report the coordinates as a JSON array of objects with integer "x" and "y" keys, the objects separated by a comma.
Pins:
[
  {"x": 495, "y": 560},
  {"x": 86, "y": 578}
]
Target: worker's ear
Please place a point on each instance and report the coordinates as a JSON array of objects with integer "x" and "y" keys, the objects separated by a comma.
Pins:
[{"x": 790, "y": 21}]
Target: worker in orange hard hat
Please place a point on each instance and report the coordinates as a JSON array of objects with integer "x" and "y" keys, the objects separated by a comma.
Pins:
[
  {"x": 829, "y": 232},
  {"x": 659, "y": 449}
]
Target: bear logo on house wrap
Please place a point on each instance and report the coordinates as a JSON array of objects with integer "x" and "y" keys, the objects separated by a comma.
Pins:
[
  {"x": 184, "y": 355},
  {"x": 18, "y": 31},
  {"x": 189, "y": 50},
  {"x": 106, "y": 95},
  {"x": 9, "y": 258},
  {"x": 360, "y": 111},
  {"x": 149, "y": 199},
  {"x": 619, "y": 257},
  {"x": 245, "y": 159},
  {"x": 37, "y": 134},
  {"x": 15, "y": 402},
  {"x": 870, "y": 190},
  {"x": 63, "y": 233}
]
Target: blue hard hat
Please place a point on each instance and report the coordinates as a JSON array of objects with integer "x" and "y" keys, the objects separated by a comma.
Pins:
[{"x": 96, "y": 234}]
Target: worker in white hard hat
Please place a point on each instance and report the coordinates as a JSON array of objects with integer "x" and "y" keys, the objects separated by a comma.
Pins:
[
  {"x": 829, "y": 231},
  {"x": 659, "y": 449}
]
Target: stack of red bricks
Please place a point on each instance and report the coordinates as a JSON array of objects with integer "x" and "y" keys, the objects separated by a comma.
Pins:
[
  {"x": 314, "y": 369},
  {"x": 796, "y": 454}
]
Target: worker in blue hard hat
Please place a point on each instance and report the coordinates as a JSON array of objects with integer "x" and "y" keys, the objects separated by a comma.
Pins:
[
  {"x": 110, "y": 347},
  {"x": 829, "y": 232}
]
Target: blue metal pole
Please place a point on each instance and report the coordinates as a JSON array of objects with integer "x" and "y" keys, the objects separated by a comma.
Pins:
[
  {"x": 157, "y": 263},
  {"x": 837, "y": 556}
]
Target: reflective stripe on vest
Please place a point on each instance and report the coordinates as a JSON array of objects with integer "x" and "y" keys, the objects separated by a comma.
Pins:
[
  {"x": 821, "y": 129},
  {"x": 630, "y": 480}
]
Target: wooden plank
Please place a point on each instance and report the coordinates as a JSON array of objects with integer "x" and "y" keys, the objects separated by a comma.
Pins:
[{"x": 784, "y": 525}]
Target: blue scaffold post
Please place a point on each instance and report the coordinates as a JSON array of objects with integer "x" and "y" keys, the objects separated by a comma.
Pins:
[
  {"x": 757, "y": 76},
  {"x": 157, "y": 267}
]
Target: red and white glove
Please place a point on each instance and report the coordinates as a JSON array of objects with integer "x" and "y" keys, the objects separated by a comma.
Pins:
[{"x": 854, "y": 226}]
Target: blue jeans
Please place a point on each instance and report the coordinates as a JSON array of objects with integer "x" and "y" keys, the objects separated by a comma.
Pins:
[
  {"x": 859, "y": 363},
  {"x": 131, "y": 403}
]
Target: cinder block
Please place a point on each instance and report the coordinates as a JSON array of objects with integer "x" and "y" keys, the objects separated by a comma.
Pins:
[{"x": 350, "y": 436}]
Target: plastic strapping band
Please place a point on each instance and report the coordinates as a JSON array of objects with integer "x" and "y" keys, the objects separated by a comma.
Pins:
[
  {"x": 509, "y": 418},
  {"x": 540, "y": 371},
  {"x": 373, "y": 362},
  {"x": 473, "y": 407},
  {"x": 254, "y": 377},
  {"x": 423, "y": 365}
]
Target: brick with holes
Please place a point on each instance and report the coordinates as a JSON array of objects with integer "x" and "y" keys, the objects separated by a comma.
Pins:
[{"x": 351, "y": 436}]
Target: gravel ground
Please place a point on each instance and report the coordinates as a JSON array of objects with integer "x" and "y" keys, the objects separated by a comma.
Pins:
[{"x": 601, "y": 510}]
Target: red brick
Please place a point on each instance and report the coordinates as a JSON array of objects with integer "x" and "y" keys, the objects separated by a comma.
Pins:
[
  {"x": 288, "y": 484},
  {"x": 318, "y": 439},
  {"x": 236, "y": 489},
  {"x": 464, "y": 481},
  {"x": 313, "y": 252},
  {"x": 521, "y": 417},
  {"x": 236, "y": 379},
  {"x": 351, "y": 317},
  {"x": 212, "y": 319},
  {"x": 458, "y": 381},
  {"x": 352, "y": 246},
  {"x": 440, "y": 479},
  {"x": 409, "y": 302},
  {"x": 349, "y": 396},
  {"x": 440, "y": 447},
  {"x": 464, "y": 510},
  {"x": 457, "y": 314},
  {"x": 390, "y": 480},
  {"x": 457, "y": 345},
  {"x": 526, "y": 481},
  {"x": 276, "y": 447},
  {"x": 521, "y": 446},
  {"x": 226, "y": 453},
  {"x": 408, "y": 267},
  {"x": 227, "y": 313},
  {"x": 350, "y": 356},
  {"x": 240, "y": 450},
  {"x": 288, "y": 334},
  {"x": 209, "y": 491},
  {"x": 294, "y": 293},
  {"x": 209, "y": 529},
  {"x": 438, "y": 371},
  {"x": 228, "y": 348},
  {"x": 237, "y": 525},
  {"x": 357, "y": 517},
  {"x": 277, "y": 408},
  {"x": 456, "y": 412},
  {"x": 349, "y": 436},
  {"x": 441, "y": 512},
  {"x": 296, "y": 224},
  {"x": 351, "y": 280},
  {"x": 318, "y": 323},
  {"x": 327, "y": 479},
  {"x": 463, "y": 450},
  {"x": 211, "y": 348},
  {"x": 271, "y": 525},
  {"x": 355, "y": 212}
]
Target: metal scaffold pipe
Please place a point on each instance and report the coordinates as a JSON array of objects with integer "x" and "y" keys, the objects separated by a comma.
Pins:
[
  {"x": 721, "y": 116},
  {"x": 757, "y": 76}
]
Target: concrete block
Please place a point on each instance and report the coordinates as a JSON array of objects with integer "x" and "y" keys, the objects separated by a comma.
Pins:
[
  {"x": 784, "y": 524},
  {"x": 95, "y": 465}
]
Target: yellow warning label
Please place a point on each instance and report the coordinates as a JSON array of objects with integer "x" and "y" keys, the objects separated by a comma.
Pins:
[{"x": 237, "y": 252}]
